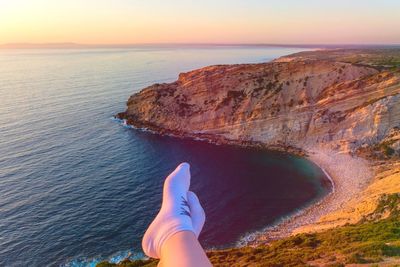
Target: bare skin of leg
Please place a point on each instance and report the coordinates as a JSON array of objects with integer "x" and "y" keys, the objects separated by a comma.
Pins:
[{"x": 183, "y": 250}]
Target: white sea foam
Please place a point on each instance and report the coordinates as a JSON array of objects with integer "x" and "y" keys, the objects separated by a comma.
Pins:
[
  {"x": 115, "y": 258},
  {"x": 125, "y": 124},
  {"x": 329, "y": 178}
]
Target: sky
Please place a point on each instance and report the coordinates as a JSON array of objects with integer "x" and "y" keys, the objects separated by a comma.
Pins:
[{"x": 202, "y": 21}]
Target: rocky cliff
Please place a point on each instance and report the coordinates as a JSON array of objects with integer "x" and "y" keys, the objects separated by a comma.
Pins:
[
  {"x": 322, "y": 102},
  {"x": 302, "y": 100},
  {"x": 326, "y": 103}
]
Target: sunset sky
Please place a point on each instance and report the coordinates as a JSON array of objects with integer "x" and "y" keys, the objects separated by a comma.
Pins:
[{"x": 203, "y": 21}]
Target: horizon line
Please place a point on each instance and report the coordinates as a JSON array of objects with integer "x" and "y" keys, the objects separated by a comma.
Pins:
[{"x": 72, "y": 45}]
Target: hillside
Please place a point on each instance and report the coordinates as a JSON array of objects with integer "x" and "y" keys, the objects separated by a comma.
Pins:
[
  {"x": 370, "y": 242},
  {"x": 296, "y": 102}
]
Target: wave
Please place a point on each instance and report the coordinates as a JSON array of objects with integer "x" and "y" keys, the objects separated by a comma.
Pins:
[
  {"x": 125, "y": 124},
  {"x": 329, "y": 178},
  {"x": 115, "y": 258}
]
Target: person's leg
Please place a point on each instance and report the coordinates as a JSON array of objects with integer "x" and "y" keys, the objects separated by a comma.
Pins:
[
  {"x": 172, "y": 236},
  {"x": 182, "y": 250}
]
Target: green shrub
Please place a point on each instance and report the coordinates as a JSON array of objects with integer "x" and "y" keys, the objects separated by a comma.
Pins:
[{"x": 366, "y": 242}]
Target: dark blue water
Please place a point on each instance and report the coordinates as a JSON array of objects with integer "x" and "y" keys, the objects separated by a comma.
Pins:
[{"x": 77, "y": 187}]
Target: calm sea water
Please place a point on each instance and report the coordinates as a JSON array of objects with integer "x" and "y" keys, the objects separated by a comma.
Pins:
[{"x": 77, "y": 187}]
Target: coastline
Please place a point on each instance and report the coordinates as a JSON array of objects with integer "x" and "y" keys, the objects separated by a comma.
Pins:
[
  {"x": 357, "y": 99},
  {"x": 350, "y": 175},
  {"x": 353, "y": 179},
  {"x": 338, "y": 109}
]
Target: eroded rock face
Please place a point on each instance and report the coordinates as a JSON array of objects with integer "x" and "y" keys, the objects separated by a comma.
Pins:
[{"x": 296, "y": 102}]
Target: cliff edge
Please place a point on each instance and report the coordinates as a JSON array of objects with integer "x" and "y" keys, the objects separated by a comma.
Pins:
[
  {"x": 341, "y": 107},
  {"x": 293, "y": 101}
]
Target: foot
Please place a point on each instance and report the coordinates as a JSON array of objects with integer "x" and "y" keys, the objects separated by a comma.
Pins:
[
  {"x": 174, "y": 215},
  {"x": 196, "y": 213}
]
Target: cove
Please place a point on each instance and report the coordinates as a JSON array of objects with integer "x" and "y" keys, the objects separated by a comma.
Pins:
[{"x": 241, "y": 189}]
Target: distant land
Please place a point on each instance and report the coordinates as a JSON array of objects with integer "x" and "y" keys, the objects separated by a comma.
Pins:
[{"x": 71, "y": 45}]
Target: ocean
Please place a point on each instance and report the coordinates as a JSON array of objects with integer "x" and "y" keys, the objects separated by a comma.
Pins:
[{"x": 77, "y": 187}]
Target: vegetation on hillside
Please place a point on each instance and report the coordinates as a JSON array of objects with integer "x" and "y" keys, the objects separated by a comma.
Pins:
[
  {"x": 387, "y": 58},
  {"x": 386, "y": 149},
  {"x": 369, "y": 241}
]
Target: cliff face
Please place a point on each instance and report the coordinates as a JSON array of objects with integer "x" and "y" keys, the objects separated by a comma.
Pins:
[{"x": 298, "y": 101}]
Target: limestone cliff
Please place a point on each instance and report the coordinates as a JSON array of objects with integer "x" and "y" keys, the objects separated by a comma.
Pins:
[
  {"x": 299, "y": 101},
  {"x": 323, "y": 103}
]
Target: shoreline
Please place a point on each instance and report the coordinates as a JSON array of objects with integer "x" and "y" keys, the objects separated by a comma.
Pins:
[
  {"x": 329, "y": 178},
  {"x": 337, "y": 109},
  {"x": 349, "y": 175}
]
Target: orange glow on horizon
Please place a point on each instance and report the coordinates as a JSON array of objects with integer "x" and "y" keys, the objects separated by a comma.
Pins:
[{"x": 178, "y": 21}]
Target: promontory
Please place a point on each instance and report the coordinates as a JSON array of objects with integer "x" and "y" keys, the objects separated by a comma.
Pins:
[{"x": 340, "y": 108}]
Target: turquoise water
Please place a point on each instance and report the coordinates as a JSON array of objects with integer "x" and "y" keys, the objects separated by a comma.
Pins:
[{"x": 77, "y": 187}]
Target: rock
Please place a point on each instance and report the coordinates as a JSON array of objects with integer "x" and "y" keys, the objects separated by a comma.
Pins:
[{"x": 295, "y": 101}]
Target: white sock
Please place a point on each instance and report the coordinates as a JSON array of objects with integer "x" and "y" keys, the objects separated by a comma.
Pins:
[
  {"x": 196, "y": 212},
  {"x": 174, "y": 215}
]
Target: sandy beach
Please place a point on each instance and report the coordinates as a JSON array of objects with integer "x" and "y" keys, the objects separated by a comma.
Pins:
[{"x": 350, "y": 175}]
